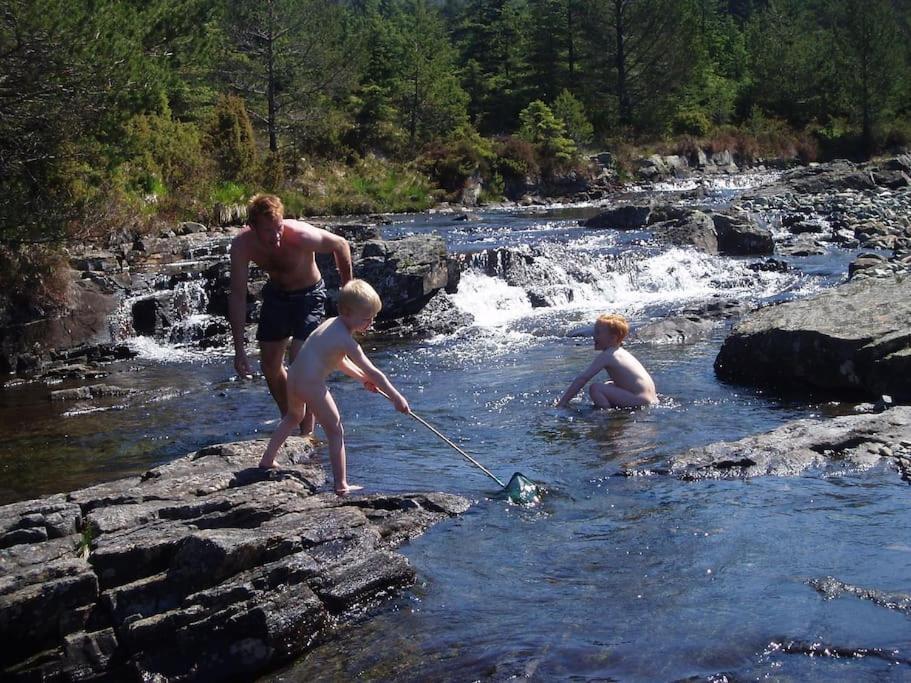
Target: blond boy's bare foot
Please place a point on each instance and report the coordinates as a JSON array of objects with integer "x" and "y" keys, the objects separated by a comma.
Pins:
[
  {"x": 348, "y": 488},
  {"x": 267, "y": 465}
]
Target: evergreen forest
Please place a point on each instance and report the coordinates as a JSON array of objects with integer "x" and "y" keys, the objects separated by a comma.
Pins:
[{"x": 127, "y": 114}]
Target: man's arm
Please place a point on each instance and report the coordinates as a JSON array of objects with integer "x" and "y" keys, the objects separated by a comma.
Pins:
[
  {"x": 324, "y": 242},
  {"x": 582, "y": 379},
  {"x": 237, "y": 306}
]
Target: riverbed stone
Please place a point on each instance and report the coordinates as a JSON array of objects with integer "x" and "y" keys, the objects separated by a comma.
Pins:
[
  {"x": 847, "y": 443},
  {"x": 852, "y": 339},
  {"x": 203, "y": 569}
]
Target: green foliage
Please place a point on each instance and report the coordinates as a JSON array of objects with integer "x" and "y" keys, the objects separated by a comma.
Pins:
[
  {"x": 449, "y": 163},
  {"x": 691, "y": 122},
  {"x": 370, "y": 185},
  {"x": 571, "y": 112},
  {"x": 164, "y": 159},
  {"x": 231, "y": 140},
  {"x": 547, "y": 133}
]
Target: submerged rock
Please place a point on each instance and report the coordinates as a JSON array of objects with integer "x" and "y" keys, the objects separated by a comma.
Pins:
[
  {"x": 206, "y": 568},
  {"x": 852, "y": 339}
]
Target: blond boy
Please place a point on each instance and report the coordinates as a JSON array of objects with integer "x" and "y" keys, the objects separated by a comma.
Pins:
[
  {"x": 630, "y": 384},
  {"x": 331, "y": 347}
]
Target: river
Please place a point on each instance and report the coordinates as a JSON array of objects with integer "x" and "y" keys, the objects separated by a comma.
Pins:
[{"x": 610, "y": 577}]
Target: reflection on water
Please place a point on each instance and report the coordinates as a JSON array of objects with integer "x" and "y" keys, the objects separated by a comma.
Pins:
[{"x": 610, "y": 577}]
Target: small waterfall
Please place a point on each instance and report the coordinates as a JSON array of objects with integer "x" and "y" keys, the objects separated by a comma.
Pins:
[
  {"x": 502, "y": 285},
  {"x": 173, "y": 313}
]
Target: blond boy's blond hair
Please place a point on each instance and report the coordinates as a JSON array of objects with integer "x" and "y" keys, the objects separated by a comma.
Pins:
[
  {"x": 615, "y": 323},
  {"x": 264, "y": 205},
  {"x": 358, "y": 294}
]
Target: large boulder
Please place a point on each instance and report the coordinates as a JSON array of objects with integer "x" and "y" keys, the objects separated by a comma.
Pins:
[
  {"x": 204, "y": 569},
  {"x": 852, "y": 339},
  {"x": 739, "y": 235},
  {"x": 406, "y": 272},
  {"x": 689, "y": 229},
  {"x": 627, "y": 217}
]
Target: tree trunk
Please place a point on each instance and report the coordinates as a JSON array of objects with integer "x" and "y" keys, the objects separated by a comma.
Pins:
[{"x": 270, "y": 87}]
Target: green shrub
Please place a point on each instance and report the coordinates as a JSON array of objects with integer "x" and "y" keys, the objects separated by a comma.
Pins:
[
  {"x": 691, "y": 122},
  {"x": 231, "y": 142},
  {"x": 571, "y": 112},
  {"x": 449, "y": 163},
  {"x": 165, "y": 164},
  {"x": 546, "y": 132}
]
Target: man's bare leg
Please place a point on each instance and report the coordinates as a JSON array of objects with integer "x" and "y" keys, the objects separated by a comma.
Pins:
[
  {"x": 272, "y": 362},
  {"x": 609, "y": 395},
  {"x": 308, "y": 422}
]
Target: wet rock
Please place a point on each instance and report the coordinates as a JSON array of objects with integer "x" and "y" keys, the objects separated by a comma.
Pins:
[
  {"x": 770, "y": 265},
  {"x": 738, "y": 235},
  {"x": 439, "y": 316},
  {"x": 206, "y": 568},
  {"x": 852, "y": 339},
  {"x": 676, "y": 330},
  {"x": 693, "y": 228},
  {"x": 851, "y": 442},
  {"x": 89, "y": 393},
  {"x": 629, "y": 217},
  {"x": 691, "y": 325},
  {"x": 406, "y": 272}
]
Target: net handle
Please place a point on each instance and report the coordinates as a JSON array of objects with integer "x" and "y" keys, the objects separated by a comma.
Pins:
[{"x": 446, "y": 440}]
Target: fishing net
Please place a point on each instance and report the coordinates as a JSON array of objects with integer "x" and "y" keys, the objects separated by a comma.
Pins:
[{"x": 522, "y": 491}]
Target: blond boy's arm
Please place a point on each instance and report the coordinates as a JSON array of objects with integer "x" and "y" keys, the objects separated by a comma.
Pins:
[
  {"x": 582, "y": 379},
  {"x": 352, "y": 370},
  {"x": 374, "y": 375}
]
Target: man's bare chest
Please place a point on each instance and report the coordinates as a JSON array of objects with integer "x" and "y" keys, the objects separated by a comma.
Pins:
[{"x": 283, "y": 261}]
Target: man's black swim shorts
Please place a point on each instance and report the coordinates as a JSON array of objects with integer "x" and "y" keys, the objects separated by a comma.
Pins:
[{"x": 291, "y": 314}]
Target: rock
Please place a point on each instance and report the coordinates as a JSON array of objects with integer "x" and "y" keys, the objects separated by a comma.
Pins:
[
  {"x": 206, "y": 568},
  {"x": 694, "y": 228},
  {"x": 832, "y": 588},
  {"x": 629, "y": 217},
  {"x": 852, "y": 339},
  {"x": 439, "y": 316},
  {"x": 675, "y": 330},
  {"x": 850, "y": 442},
  {"x": 741, "y": 236},
  {"x": 692, "y": 325},
  {"x": 355, "y": 232},
  {"x": 90, "y": 393},
  {"x": 406, "y": 272}
]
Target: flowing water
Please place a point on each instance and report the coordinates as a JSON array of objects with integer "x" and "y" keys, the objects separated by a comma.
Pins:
[{"x": 610, "y": 577}]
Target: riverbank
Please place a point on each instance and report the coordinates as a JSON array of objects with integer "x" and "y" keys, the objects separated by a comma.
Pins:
[{"x": 207, "y": 568}]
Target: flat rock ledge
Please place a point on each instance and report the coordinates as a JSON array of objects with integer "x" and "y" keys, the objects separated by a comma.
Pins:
[
  {"x": 206, "y": 568},
  {"x": 843, "y": 444}
]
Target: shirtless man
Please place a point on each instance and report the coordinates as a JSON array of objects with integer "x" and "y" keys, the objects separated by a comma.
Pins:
[
  {"x": 630, "y": 384},
  {"x": 294, "y": 298}
]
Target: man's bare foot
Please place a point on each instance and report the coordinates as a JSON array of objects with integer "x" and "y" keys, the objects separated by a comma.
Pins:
[
  {"x": 267, "y": 465},
  {"x": 349, "y": 488}
]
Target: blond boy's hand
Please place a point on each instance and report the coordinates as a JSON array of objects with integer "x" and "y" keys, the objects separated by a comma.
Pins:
[
  {"x": 401, "y": 404},
  {"x": 370, "y": 386}
]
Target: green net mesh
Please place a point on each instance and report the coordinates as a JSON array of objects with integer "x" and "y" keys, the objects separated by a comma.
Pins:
[{"x": 522, "y": 491}]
